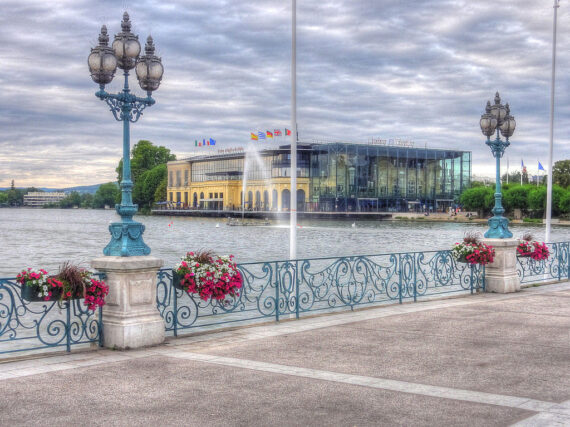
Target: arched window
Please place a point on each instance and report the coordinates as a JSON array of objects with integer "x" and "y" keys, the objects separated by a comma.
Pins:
[
  {"x": 300, "y": 200},
  {"x": 265, "y": 200},
  {"x": 285, "y": 200},
  {"x": 274, "y": 201},
  {"x": 202, "y": 200},
  {"x": 195, "y": 200},
  {"x": 257, "y": 200}
]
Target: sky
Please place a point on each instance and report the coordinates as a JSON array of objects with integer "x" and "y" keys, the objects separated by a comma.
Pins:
[{"x": 420, "y": 70}]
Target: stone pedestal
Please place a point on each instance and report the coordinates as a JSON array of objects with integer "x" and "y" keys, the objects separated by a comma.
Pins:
[
  {"x": 501, "y": 276},
  {"x": 130, "y": 317}
]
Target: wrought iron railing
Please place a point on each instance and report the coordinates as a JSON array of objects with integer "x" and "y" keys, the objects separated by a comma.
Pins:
[
  {"x": 277, "y": 289},
  {"x": 27, "y": 326},
  {"x": 556, "y": 267}
]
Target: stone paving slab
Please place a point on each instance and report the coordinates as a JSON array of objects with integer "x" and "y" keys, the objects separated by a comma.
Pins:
[
  {"x": 166, "y": 391},
  {"x": 498, "y": 351},
  {"x": 449, "y": 367}
]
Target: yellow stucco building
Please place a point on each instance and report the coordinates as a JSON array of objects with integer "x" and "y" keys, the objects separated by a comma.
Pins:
[{"x": 332, "y": 177}]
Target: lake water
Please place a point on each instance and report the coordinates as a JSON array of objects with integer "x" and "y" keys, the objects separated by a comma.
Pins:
[{"x": 48, "y": 237}]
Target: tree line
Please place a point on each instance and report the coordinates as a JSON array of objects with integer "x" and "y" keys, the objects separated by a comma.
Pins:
[
  {"x": 529, "y": 198},
  {"x": 148, "y": 173}
]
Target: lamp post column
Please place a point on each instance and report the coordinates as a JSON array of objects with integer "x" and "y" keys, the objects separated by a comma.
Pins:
[{"x": 501, "y": 275}]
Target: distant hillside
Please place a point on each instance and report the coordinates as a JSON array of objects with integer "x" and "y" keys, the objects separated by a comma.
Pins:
[{"x": 92, "y": 189}]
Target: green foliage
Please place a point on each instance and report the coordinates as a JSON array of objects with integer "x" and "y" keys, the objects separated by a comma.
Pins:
[
  {"x": 145, "y": 156},
  {"x": 160, "y": 193},
  {"x": 478, "y": 199},
  {"x": 107, "y": 194},
  {"x": 3, "y": 197},
  {"x": 537, "y": 200},
  {"x": 516, "y": 197},
  {"x": 87, "y": 200},
  {"x": 73, "y": 199},
  {"x": 561, "y": 173},
  {"x": 477, "y": 184},
  {"x": 564, "y": 204}
]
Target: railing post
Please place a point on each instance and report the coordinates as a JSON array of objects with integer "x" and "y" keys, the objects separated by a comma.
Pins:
[
  {"x": 296, "y": 289},
  {"x": 276, "y": 291},
  {"x": 100, "y": 326},
  {"x": 175, "y": 309},
  {"x": 568, "y": 259},
  {"x": 400, "y": 278},
  {"x": 471, "y": 277},
  {"x": 68, "y": 327},
  {"x": 484, "y": 279},
  {"x": 559, "y": 259},
  {"x": 415, "y": 277}
]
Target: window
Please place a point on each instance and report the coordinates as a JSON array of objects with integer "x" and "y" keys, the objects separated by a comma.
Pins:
[
  {"x": 186, "y": 178},
  {"x": 170, "y": 180},
  {"x": 178, "y": 180}
]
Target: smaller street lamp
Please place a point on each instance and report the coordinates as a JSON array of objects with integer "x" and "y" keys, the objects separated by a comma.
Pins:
[
  {"x": 497, "y": 118},
  {"x": 126, "y": 236}
]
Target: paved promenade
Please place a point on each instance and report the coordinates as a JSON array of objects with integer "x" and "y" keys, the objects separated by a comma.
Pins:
[{"x": 479, "y": 360}]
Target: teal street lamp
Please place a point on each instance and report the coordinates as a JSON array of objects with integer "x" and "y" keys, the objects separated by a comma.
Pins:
[
  {"x": 497, "y": 118},
  {"x": 126, "y": 236}
]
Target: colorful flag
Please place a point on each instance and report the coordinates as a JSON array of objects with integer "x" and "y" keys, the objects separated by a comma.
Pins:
[
  {"x": 287, "y": 132},
  {"x": 204, "y": 142},
  {"x": 269, "y": 134},
  {"x": 277, "y": 132},
  {"x": 212, "y": 141},
  {"x": 540, "y": 168},
  {"x": 261, "y": 135},
  {"x": 199, "y": 144},
  {"x": 254, "y": 136},
  {"x": 195, "y": 143},
  {"x": 522, "y": 164}
]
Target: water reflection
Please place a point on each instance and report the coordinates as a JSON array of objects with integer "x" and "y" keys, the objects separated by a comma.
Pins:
[{"x": 48, "y": 237}]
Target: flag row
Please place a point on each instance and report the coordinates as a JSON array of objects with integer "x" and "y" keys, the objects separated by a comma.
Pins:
[
  {"x": 205, "y": 142},
  {"x": 540, "y": 167},
  {"x": 256, "y": 136}
]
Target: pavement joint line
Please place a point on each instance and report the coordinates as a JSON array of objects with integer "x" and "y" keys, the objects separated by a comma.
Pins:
[{"x": 385, "y": 384}]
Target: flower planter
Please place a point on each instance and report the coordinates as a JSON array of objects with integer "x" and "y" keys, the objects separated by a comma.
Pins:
[{"x": 30, "y": 293}]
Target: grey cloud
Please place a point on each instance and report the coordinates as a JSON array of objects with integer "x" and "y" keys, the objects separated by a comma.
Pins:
[{"x": 421, "y": 70}]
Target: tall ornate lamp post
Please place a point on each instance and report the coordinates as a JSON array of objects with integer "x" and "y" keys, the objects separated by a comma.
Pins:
[
  {"x": 497, "y": 118},
  {"x": 126, "y": 236}
]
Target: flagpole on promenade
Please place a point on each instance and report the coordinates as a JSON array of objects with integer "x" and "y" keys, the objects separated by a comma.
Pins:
[
  {"x": 293, "y": 192},
  {"x": 551, "y": 144}
]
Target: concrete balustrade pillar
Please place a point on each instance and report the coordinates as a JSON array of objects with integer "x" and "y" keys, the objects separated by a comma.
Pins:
[
  {"x": 501, "y": 275},
  {"x": 130, "y": 317}
]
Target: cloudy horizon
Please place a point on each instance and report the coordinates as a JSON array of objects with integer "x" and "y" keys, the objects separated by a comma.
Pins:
[{"x": 420, "y": 70}]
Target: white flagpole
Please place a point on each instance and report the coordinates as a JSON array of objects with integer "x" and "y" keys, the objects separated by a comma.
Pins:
[
  {"x": 550, "y": 147},
  {"x": 293, "y": 202}
]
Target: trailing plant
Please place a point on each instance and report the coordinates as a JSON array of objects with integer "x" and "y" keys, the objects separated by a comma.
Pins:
[
  {"x": 208, "y": 275},
  {"x": 472, "y": 251},
  {"x": 71, "y": 282},
  {"x": 528, "y": 247}
]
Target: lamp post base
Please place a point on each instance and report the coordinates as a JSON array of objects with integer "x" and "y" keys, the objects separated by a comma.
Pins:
[
  {"x": 126, "y": 239},
  {"x": 498, "y": 228}
]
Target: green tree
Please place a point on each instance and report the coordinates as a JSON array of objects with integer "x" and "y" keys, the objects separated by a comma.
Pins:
[
  {"x": 87, "y": 200},
  {"x": 537, "y": 200},
  {"x": 145, "y": 156},
  {"x": 106, "y": 195},
  {"x": 514, "y": 177},
  {"x": 478, "y": 199},
  {"x": 160, "y": 193},
  {"x": 71, "y": 200},
  {"x": 564, "y": 204},
  {"x": 561, "y": 173},
  {"x": 516, "y": 197},
  {"x": 3, "y": 197},
  {"x": 15, "y": 196}
]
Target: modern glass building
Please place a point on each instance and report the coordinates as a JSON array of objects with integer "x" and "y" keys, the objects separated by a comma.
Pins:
[{"x": 332, "y": 177}]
